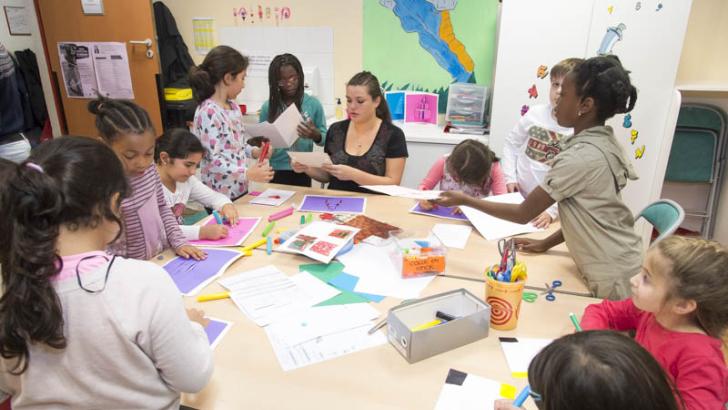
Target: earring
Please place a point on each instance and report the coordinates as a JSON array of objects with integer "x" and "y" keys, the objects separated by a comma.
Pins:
[{"x": 578, "y": 113}]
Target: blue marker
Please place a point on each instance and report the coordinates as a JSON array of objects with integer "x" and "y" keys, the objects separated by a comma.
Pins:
[
  {"x": 522, "y": 396},
  {"x": 218, "y": 218},
  {"x": 269, "y": 244}
]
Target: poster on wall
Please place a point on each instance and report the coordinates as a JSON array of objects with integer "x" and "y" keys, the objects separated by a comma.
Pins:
[
  {"x": 90, "y": 69},
  {"x": 203, "y": 30},
  {"x": 448, "y": 41},
  {"x": 77, "y": 68},
  {"x": 17, "y": 19},
  {"x": 112, "y": 70}
]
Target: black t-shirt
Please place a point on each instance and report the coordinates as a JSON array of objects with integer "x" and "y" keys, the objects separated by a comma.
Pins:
[{"x": 388, "y": 143}]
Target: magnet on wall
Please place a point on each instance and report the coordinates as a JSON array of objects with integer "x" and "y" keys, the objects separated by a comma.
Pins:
[
  {"x": 633, "y": 136},
  {"x": 638, "y": 6},
  {"x": 285, "y": 13},
  {"x": 524, "y": 109},
  {"x": 659, "y": 7},
  {"x": 260, "y": 12},
  {"x": 639, "y": 152},
  {"x": 627, "y": 123},
  {"x": 542, "y": 71},
  {"x": 610, "y": 9},
  {"x": 267, "y": 13},
  {"x": 533, "y": 92}
]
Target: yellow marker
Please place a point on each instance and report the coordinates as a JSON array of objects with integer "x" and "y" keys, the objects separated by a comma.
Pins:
[
  {"x": 213, "y": 296},
  {"x": 254, "y": 245},
  {"x": 426, "y": 325}
]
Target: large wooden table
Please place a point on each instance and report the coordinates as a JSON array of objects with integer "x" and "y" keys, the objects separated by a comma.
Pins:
[{"x": 247, "y": 373}]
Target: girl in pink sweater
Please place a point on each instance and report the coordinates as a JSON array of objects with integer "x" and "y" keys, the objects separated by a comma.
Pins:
[{"x": 471, "y": 167}]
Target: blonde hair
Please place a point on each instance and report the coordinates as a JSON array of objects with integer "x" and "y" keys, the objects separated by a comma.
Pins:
[
  {"x": 563, "y": 67},
  {"x": 699, "y": 269}
]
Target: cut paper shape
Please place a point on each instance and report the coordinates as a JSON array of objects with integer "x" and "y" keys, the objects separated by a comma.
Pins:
[
  {"x": 492, "y": 228},
  {"x": 446, "y": 212},
  {"x": 633, "y": 136},
  {"x": 236, "y": 234},
  {"x": 520, "y": 351},
  {"x": 421, "y": 107},
  {"x": 610, "y": 9},
  {"x": 371, "y": 227},
  {"x": 395, "y": 101},
  {"x": 322, "y": 271},
  {"x": 463, "y": 391},
  {"x": 346, "y": 282},
  {"x": 627, "y": 123},
  {"x": 191, "y": 276},
  {"x": 333, "y": 204},
  {"x": 542, "y": 71},
  {"x": 533, "y": 92},
  {"x": 216, "y": 330},
  {"x": 524, "y": 109},
  {"x": 639, "y": 152}
]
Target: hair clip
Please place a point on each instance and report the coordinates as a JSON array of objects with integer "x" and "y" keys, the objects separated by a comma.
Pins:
[{"x": 35, "y": 166}]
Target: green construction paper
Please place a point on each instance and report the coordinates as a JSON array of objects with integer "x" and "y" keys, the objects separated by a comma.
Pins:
[
  {"x": 344, "y": 298},
  {"x": 324, "y": 272}
]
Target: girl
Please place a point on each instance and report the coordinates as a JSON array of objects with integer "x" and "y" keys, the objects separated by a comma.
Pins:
[
  {"x": 679, "y": 312},
  {"x": 597, "y": 370},
  {"x": 79, "y": 328},
  {"x": 177, "y": 155},
  {"x": 471, "y": 167},
  {"x": 149, "y": 225},
  {"x": 218, "y": 124},
  {"x": 366, "y": 149},
  {"x": 285, "y": 78},
  {"x": 585, "y": 179}
]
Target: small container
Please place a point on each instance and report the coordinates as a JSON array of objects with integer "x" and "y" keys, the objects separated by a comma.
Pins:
[
  {"x": 418, "y": 256},
  {"x": 413, "y": 328},
  {"x": 339, "y": 111},
  {"x": 505, "y": 301}
]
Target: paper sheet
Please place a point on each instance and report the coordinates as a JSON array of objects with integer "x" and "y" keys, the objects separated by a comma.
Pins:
[
  {"x": 273, "y": 197},
  {"x": 333, "y": 204},
  {"x": 266, "y": 294},
  {"x": 403, "y": 192},
  {"x": 493, "y": 228},
  {"x": 18, "y": 22},
  {"x": 445, "y": 212},
  {"x": 520, "y": 351},
  {"x": 378, "y": 275},
  {"x": 216, "y": 330},
  {"x": 236, "y": 234},
  {"x": 314, "y": 159},
  {"x": 282, "y": 132},
  {"x": 191, "y": 276},
  {"x": 451, "y": 235},
  {"x": 77, "y": 68},
  {"x": 320, "y": 241},
  {"x": 112, "y": 70},
  {"x": 463, "y": 391}
]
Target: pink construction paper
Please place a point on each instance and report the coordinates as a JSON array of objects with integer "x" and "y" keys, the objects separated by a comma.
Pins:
[{"x": 236, "y": 233}]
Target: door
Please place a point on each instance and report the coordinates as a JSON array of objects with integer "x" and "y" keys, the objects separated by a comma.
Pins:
[{"x": 122, "y": 21}]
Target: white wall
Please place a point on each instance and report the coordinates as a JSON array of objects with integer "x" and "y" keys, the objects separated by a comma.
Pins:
[{"x": 35, "y": 44}]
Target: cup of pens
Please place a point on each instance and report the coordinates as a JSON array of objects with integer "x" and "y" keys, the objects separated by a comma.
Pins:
[{"x": 504, "y": 288}]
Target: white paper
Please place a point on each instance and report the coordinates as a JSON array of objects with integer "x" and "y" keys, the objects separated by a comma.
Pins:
[
  {"x": 403, "y": 192},
  {"x": 476, "y": 393},
  {"x": 493, "y": 228},
  {"x": 451, "y": 235},
  {"x": 92, "y": 7},
  {"x": 112, "y": 70},
  {"x": 17, "y": 20},
  {"x": 378, "y": 275},
  {"x": 77, "y": 68},
  {"x": 322, "y": 348},
  {"x": 266, "y": 294},
  {"x": 314, "y": 159},
  {"x": 519, "y": 353},
  {"x": 282, "y": 132},
  {"x": 273, "y": 197},
  {"x": 318, "y": 240}
]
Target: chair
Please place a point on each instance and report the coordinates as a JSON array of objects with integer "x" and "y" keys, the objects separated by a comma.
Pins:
[{"x": 664, "y": 215}]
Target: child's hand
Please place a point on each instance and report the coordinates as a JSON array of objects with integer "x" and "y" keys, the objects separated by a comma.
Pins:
[
  {"x": 213, "y": 232},
  {"x": 512, "y": 187},
  {"x": 230, "y": 213},
  {"x": 427, "y": 205},
  {"x": 197, "y": 315},
  {"x": 530, "y": 245},
  {"x": 260, "y": 172},
  {"x": 452, "y": 198},
  {"x": 542, "y": 221},
  {"x": 505, "y": 405},
  {"x": 307, "y": 129},
  {"x": 189, "y": 251},
  {"x": 298, "y": 167}
]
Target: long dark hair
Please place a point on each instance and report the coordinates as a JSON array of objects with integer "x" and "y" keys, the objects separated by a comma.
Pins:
[
  {"x": 275, "y": 99},
  {"x": 68, "y": 181},
  {"x": 119, "y": 117},
  {"x": 369, "y": 80},
  {"x": 178, "y": 143},
  {"x": 600, "y": 370},
  {"x": 605, "y": 80},
  {"x": 219, "y": 61},
  {"x": 471, "y": 160}
]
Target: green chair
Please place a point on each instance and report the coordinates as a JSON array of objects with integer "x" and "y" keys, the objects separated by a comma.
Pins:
[{"x": 664, "y": 215}]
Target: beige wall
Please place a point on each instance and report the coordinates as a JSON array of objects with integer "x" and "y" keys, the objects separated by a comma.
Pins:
[
  {"x": 34, "y": 43},
  {"x": 343, "y": 16}
]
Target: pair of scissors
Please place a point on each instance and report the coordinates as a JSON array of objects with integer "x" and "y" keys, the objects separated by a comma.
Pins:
[
  {"x": 550, "y": 290},
  {"x": 529, "y": 297}
]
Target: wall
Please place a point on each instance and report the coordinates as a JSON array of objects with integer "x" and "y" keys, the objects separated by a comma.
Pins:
[
  {"x": 704, "y": 61},
  {"x": 35, "y": 44},
  {"x": 344, "y": 17}
]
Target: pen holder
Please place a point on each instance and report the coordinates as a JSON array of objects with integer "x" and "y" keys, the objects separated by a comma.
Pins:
[{"x": 504, "y": 299}]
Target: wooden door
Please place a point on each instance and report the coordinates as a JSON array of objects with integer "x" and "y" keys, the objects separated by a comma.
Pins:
[{"x": 122, "y": 21}]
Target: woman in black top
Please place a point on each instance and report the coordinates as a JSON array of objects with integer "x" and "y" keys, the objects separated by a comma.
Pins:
[{"x": 366, "y": 149}]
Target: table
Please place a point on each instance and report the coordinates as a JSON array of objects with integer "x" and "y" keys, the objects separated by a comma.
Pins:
[{"x": 247, "y": 373}]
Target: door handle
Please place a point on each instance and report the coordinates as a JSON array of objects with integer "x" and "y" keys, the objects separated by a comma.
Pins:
[{"x": 147, "y": 43}]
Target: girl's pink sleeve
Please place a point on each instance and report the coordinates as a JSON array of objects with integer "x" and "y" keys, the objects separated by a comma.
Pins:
[
  {"x": 497, "y": 179},
  {"x": 434, "y": 175}
]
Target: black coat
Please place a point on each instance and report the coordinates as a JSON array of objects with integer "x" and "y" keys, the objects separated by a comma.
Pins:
[{"x": 173, "y": 54}]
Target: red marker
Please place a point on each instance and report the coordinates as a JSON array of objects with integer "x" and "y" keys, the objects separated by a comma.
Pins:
[{"x": 263, "y": 152}]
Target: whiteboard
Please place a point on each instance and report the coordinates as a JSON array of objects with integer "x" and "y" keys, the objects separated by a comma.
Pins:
[{"x": 536, "y": 32}]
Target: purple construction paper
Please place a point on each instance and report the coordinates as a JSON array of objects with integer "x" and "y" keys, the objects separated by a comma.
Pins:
[
  {"x": 187, "y": 274},
  {"x": 333, "y": 204},
  {"x": 440, "y": 212},
  {"x": 213, "y": 330},
  {"x": 236, "y": 233}
]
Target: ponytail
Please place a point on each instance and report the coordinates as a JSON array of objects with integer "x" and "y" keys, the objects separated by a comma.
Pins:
[
  {"x": 39, "y": 196},
  {"x": 219, "y": 61}
]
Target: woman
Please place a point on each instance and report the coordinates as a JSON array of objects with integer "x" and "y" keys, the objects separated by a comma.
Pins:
[{"x": 366, "y": 149}]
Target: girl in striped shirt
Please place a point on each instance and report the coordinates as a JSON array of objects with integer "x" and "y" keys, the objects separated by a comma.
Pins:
[{"x": 149, "y": 225}]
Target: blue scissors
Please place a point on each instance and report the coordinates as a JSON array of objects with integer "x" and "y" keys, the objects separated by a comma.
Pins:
[{"x": 550, "y": 290}]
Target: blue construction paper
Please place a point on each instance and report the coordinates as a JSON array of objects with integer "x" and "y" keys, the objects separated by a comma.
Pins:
[{"x": 344, "y": 281}]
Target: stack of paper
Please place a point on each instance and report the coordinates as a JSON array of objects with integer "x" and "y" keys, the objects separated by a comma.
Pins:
[
  {"x": 266, "y": 294},
  {"x": 493, "y": 228}
]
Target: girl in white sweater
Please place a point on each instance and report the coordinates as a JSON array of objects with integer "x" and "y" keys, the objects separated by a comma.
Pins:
[{"x": 80, "y": 328}]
